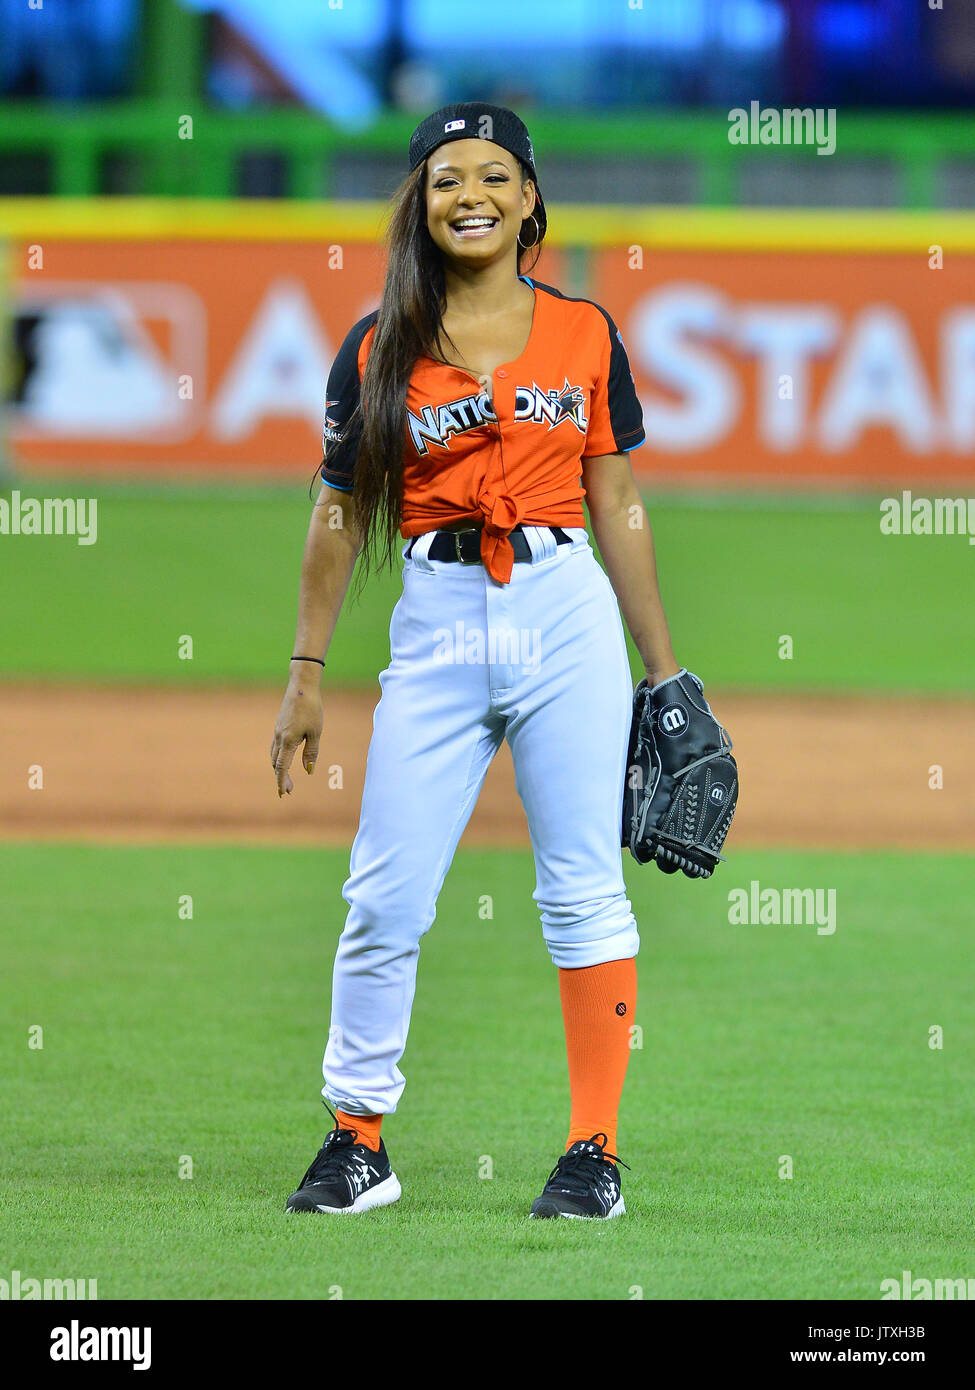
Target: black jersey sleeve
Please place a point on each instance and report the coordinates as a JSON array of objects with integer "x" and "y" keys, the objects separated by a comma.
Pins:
[
  {"x": 343, "y": 421},
  {"x": 616, "y": 417}
]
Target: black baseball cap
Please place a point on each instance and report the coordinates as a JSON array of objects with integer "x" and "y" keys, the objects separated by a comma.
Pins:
[{"x": 475, "y": 120}]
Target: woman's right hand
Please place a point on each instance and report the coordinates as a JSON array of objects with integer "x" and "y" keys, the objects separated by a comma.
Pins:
[{"x": 300, "y": 720}]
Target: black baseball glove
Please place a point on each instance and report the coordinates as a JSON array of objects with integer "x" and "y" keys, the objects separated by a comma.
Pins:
[{"x": 681, "y": 784}]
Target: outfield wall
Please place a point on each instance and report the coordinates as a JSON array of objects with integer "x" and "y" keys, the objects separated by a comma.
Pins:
[{"x": 769, "y": 348}]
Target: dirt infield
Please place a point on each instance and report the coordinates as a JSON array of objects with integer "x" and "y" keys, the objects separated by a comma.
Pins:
[{"x": 150, "y": 765}]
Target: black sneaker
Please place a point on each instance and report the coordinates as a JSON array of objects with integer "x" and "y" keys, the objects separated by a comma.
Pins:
[
  {"x": 346, "y": 1178},
  {"x": 584, "y": 1183}
]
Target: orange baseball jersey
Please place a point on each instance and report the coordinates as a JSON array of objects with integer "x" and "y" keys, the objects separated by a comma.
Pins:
[{"x": 503, "y": 459}]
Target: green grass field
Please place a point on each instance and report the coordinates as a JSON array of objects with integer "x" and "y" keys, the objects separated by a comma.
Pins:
[
  {"x": 735, "y": 575},
  {"x": 164, "y": 1038}
]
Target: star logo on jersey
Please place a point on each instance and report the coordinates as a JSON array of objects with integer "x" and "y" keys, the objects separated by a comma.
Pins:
[
  {"x": 332, "y": 430},
  {"x": 554, "y": 407},
  {"x": 570, "y": 401}
]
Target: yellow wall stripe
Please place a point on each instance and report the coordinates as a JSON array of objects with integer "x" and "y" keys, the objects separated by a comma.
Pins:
[{"x": 792, "y": 229}]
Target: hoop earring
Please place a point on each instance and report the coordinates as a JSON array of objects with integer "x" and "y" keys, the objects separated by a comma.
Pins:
[{"x": 538, "y": 232}]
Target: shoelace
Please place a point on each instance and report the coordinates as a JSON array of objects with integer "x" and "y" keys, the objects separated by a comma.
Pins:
[
  {"x": 576, "y": 1171},
  {"x": 333, "y": 1158}
]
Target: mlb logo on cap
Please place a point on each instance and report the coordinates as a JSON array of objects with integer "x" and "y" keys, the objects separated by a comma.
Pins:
[{"x": 454, "y": 125}]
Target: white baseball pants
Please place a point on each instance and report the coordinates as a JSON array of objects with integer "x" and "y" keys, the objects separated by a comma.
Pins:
[{"x": 541, "y": 662}]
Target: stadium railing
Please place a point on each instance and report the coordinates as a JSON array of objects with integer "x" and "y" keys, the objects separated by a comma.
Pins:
[{"x": 68, "y": 151}]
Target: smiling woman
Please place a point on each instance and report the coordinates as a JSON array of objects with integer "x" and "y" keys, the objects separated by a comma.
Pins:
[
  {"x": 452, "y": 291},
  {"x": 470, "y": 415},
  {"x": 478, "y": 202}
]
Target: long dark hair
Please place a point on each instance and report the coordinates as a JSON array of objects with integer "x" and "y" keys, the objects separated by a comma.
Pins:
[{"x": 410, "y": 325}]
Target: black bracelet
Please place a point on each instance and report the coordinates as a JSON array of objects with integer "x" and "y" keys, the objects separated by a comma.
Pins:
[{"x": 309, "y": 658}]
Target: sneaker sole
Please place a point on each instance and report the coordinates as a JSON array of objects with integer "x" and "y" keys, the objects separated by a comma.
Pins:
[
  {"x": 617, "y": 1209},
  {"x": 382, "y": 1195}
]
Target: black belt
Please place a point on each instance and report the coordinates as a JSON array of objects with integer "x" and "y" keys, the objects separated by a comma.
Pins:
[{"x": 465, "y": 546}]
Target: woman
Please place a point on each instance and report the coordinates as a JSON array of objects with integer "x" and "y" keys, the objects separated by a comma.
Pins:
[{"x": 460, "y": 416}]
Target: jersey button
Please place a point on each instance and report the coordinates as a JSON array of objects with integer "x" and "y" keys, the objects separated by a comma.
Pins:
[{"x": 500, "y": 373}]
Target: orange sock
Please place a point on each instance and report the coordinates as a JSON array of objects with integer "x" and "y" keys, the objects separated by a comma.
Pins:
[
  {"x": 598, "y": 1004},
  {"x": 366, "y": 1127}
]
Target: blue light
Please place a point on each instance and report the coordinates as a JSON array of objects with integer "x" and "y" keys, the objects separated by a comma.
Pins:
[{"x": 848, "y": 24}]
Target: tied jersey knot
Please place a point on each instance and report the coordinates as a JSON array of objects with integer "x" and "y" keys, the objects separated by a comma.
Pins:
[{"x": 502, "y": 513}]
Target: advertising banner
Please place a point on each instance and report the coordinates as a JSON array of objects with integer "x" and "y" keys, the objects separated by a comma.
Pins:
[
  {"x": 783, "y": 367},
  {"x": 770, "y": 367}
]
